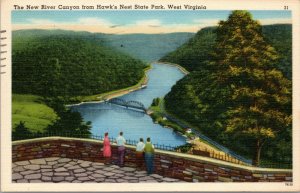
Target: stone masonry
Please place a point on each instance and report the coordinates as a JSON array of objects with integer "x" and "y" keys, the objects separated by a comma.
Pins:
[
  {"x": 185, "y": 167},
  {"x": 65, "y": 170}
]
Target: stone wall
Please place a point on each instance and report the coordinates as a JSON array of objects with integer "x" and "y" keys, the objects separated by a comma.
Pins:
[{"x": 186, "y": 167}]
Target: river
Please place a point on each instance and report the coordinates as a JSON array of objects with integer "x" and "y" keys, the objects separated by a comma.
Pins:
[{"x": 113, "y": 119}]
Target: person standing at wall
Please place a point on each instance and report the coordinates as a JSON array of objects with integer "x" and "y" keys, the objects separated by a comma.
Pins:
[
  {"x": 106, "y": 149},
  {"x": 149, "y": 156},
  {"x": 121, "y": 148},
  {"x": 140, "y": 153}
]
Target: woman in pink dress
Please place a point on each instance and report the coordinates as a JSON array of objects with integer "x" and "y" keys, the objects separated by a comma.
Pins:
[{"x": 106, "y": 149}]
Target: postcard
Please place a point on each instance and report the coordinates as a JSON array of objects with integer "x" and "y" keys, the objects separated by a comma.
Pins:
[{"x": 150, "y": 95}]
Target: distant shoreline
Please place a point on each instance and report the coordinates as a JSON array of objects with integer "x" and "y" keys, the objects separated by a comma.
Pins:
[{"x": 182, "y": 69}]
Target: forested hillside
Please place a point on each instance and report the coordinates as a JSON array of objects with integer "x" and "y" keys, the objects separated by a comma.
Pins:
[
  {"x": 239, "y": 89},
  {"x": 193, "y": 54},
  {"x": 146, "y": 47},
  {"x": 280, "y": 37},
  {"x": 63, "y": 65}
]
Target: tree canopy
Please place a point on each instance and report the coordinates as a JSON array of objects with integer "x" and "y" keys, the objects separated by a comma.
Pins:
[{"x": 62, "y": 65}]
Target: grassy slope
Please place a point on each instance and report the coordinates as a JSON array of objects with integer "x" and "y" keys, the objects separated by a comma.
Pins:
[{"x": 33, "y": 111}]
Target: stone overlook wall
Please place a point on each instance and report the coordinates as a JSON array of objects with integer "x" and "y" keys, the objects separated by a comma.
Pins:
[{"x": 186, "y": 167}]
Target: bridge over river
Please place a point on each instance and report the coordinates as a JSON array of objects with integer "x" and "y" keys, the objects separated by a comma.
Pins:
[{"x": 134, "y": 105}]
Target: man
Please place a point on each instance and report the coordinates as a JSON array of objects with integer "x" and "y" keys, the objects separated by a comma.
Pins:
[
  {"x": 121, "y": 148},
  {"x": 139, "y": 153},
  {"x": 149, "y": 155}
]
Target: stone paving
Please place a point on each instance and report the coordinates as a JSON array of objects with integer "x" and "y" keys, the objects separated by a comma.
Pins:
[{"x": 65, "y": 170}]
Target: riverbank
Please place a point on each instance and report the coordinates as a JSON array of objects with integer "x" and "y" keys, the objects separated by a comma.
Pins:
[
  {"x": 157, "y": 113},
  {"x": 182, "y": 69},
  {"x": 99, "y": 98}
]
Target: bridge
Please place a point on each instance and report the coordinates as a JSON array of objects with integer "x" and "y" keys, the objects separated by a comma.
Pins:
[{"x": 135, "y": 105}]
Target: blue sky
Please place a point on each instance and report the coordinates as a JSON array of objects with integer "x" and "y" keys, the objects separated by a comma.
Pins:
[{"x": 130, "y": 21}]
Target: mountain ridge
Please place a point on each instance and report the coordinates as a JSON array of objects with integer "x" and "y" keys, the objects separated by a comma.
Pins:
[{"x": 146, "y": 47}]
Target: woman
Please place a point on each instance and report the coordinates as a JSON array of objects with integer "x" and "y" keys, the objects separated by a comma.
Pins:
[{"x": 106, "y": 149}]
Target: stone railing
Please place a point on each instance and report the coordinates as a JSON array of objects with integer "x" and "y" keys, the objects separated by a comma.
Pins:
[{"x": 186, "y": 167}]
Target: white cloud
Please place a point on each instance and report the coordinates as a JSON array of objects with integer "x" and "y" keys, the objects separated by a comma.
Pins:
[
  {"x": 150, "y": 22},
  {"x": 93, "y": 21},
  {"x": 80, "y": 21},
  {"x": 41, "y": 21},
  {"x": 206, "y": 21}
]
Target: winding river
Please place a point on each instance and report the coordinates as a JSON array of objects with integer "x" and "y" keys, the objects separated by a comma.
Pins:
[{"x": 113, "y": 119}]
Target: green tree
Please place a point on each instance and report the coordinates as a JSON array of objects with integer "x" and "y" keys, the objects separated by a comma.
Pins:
[
  {"x": 69, "y": 122},
  {"x": 258, "y": 95},
  {"x": 155, "y": 101},
  {"x": 21, "y": 132}
]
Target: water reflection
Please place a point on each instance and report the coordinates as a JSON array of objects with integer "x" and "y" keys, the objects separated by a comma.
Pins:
[{"x": 130, "y": 112}]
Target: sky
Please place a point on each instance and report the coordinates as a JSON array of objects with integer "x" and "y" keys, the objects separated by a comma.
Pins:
[{"x": 125, "y": 22}]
